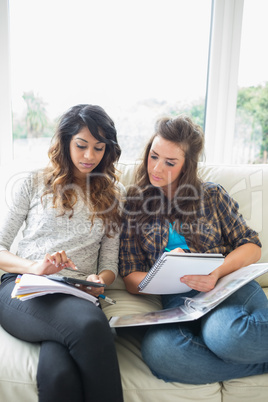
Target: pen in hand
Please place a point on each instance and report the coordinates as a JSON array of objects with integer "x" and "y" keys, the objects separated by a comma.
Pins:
[{"x": 108, "y": 299}]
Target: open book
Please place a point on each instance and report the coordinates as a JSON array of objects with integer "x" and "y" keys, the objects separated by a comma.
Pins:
[
  {"x": 197, "y": 306},
  {"x": 164, "y": 276},
  {"x": 28, "y": 286}
]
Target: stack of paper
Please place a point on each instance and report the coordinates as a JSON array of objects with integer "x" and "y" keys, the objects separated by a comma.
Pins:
[{"x": 28, "y": 286}]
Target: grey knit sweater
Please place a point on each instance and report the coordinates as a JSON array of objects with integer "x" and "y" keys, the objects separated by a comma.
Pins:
[{"x": 44, "y": 231}]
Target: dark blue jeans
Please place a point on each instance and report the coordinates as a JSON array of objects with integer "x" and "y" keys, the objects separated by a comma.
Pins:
[{"x": 77, "y": 360}]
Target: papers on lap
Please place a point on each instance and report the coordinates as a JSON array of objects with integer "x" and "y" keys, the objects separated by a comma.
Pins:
[
  {"x": 29, "y": 286},
  {"x": 197, "y": 306},
  {"x": 164, "y": 276}
]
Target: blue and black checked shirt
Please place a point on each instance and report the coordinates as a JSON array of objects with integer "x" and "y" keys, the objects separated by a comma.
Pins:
[{"x": 220, "y": 226}]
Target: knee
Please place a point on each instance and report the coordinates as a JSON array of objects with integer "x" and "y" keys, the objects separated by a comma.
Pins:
[
  {"x": 91, "y": 327},
  {"x": 226, "y": 337},
  {"x": 90, "y": 318}
]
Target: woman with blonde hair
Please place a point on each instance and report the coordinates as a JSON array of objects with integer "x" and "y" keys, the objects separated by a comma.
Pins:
[{"x": 171, "y": 207}]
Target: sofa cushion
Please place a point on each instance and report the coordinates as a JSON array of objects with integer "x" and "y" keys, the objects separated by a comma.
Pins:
[
  {"x": 144, "y": 387},
  {"x": 18, "y": 372},
  {"x": 127, "y": 303},
  {"x": 240, "y": 389}
]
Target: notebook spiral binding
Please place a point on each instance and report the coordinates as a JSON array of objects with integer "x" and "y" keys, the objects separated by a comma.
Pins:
[{"x": 158, "y": 264}]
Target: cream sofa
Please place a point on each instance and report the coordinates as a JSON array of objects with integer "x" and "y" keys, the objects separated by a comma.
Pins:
[{"x": 249, "y": 186}]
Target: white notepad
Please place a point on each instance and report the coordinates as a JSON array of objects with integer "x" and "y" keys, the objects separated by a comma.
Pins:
[{"x": 164, "y": 276}]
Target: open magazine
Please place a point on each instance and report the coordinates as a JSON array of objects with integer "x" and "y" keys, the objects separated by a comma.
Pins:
[{"x": 197, "y": 306}]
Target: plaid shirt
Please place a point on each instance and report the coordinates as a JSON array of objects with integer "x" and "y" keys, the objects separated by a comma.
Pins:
[{"x": 220, "y": 226}]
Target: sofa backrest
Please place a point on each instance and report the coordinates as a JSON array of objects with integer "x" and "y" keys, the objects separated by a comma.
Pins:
[{"x": 248, "y": 184}]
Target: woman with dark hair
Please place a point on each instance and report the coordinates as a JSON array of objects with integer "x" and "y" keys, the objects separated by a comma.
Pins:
[
  {"x": 170, "y": 207},
  {"x": 71, "y": 213}
]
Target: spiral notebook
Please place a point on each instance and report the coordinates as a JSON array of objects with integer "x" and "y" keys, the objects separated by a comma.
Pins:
[{"x": 164, "y": 276}]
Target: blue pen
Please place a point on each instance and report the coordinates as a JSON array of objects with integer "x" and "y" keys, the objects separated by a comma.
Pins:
[
  {"x": 167, "y": 249},
  {"x": 108, "y": 299}
]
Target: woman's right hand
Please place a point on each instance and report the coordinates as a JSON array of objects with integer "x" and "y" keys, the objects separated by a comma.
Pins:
[{"x": 52, "y": 263}]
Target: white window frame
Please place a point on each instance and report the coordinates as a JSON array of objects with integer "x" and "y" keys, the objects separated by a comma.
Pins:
[
  {"x": 222, "y": 82},
  {"x": 6, "y": 140},
  {"x": 221, "y": 86}
]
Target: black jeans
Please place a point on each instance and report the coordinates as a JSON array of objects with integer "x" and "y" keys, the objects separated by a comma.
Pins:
[{"x": 77, "y": 360}]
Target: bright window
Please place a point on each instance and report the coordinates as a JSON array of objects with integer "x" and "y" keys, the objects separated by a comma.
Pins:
[
  {"x": 251, "y": 131},
  {"x": 137, "y": 59}
]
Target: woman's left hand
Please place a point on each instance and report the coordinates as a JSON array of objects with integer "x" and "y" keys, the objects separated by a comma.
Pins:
[
  {"x": 92, "y": 290},
  {"x": 202, "y": 283}
]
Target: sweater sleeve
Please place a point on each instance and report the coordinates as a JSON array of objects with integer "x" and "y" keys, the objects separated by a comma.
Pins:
[
  {"x": 18, "y": 203},
  {"x": 108, "y": 254},
  {"x": 109, "y": 248}
]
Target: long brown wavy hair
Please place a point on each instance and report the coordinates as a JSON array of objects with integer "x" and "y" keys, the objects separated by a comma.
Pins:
[
  {"x": 182, "y": 208},
  {"x": 60, "y": 181}
]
